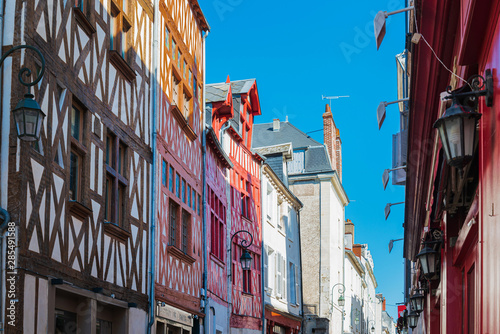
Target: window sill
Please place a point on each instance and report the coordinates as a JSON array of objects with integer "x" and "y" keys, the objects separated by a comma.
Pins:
[
  {"x": 218, "y": 261},
  {"x": 248, "y": 294},
  {"x": 79, "y": 209},
  {"x": 180, "y": 254},
  {"x": 184, "y": 124},
  {"x": 83, "y": 21},
  {"x": 121, "y": 65},
  {"x": 116, "y": 231}
]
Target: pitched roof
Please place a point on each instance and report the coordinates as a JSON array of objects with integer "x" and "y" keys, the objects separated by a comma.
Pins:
[
  {"x": 316, "y": 156},
  {"x": 241, "y": 86},
  {"x": 216, "y": 92},
  {"x": 263, "y": 135}
]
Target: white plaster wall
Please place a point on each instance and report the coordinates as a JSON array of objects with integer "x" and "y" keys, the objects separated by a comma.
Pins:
[
  {"x": 280, "y": 241},
  {"x": 353, "y": 296},
  {"x": 221, "y": 321}
]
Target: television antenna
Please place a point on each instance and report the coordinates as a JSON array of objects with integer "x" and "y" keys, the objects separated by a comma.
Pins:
[{"x": 332, "y": 98}]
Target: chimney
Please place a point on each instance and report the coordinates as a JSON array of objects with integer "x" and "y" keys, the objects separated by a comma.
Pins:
[
  {"x": 276, "y": 124},
  {"x": 383, "y": 305},
  {"x": 332, "y": 141}
]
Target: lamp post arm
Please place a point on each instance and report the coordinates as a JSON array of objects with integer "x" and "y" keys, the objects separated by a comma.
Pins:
[
  {"x": 244, "y": 243},
  {"x": 397, "y": 101},
  {"x": 341, "y": 291},
  {"x": 399, "y": 11},
  {"x": 26, "y": 71}
]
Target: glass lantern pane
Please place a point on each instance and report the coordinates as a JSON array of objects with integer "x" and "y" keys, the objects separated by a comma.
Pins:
[
  {"x": 444, "y": 141},
  {"x": 425, "y": 266},
  {"x": 469, "y": 131},
  {"x": 431, "y": 262},
  {"x": 19, "y": 117},
  {"x": 39, "y": 126},
  {"x": 454, "y": 132},
  {"x": 31, "y": 121}
]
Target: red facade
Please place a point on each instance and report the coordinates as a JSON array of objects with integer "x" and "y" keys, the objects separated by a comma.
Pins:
[
  {"x": 235, "y": 116},
  {"x": 464, "y": 297}
]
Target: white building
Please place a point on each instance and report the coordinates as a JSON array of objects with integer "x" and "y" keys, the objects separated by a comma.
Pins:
[
  {"x": 315, "y": 177},
  {"x": 281, "y": 239}
]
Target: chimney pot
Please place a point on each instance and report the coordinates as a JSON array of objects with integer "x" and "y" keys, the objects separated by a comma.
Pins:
[{"x": 276, "y": 124}]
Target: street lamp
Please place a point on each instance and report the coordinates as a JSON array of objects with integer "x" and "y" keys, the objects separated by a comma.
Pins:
[
  {"x": 413, "y": 319},
  {"x": 417, "y": 301},
  {"x": 372, "y": 329},
  {"x": 27, "y": 114},
  {"x": 428, "y": 261},
  {"x": 381, "y": 110},
  {"x": 245, "y": 258},
  {"x": 387, "y": 209},
  {"x": 457, "y": 128},
  {"x": 341, "y": 300}
]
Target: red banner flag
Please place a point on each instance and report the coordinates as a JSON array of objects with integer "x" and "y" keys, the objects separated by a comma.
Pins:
[{"x": 401, "y": 309}]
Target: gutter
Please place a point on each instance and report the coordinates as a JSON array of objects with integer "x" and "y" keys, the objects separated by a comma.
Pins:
[{"x": 154, "y": 107}]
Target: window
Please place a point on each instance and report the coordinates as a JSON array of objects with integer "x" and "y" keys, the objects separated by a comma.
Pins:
[
  {"x": 183, "y": 191},
  {"x": 269, "y": 203},
  {"x": 103, "y": 327},
  {"x": 179, "y": 227},
  {"x": 281, "y": 219},
  {"x": 177, "y": 185},
  {"x": 269, "y": 269},
  {"x": 120, "y": 27},
  {"x": 77, "y": 153},
  {"x": 245, "y": 198},
  {"x": 66, "y": 322},
  {"x": 116, "y": 181},
  {"x": 186, "y": 219},
  {"x": 171, "y": 179},
  {"x": 218, "y": 225},
  {"x": 84, "y": 6},
  {"x": 173, "y": 208},
  {"x": 164, "y": 173}
]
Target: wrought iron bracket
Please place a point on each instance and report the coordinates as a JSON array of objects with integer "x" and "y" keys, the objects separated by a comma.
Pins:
[
  {"x": 26, "y": 71},
  {"x": 478, "y": 85},
  {"x": 244, "y": 243}
]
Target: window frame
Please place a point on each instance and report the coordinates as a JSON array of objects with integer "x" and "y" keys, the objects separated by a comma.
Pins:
[
  {"x": 78, "y": 147},
  {"x": 120, "y": 26},
  {"x": 116, "y": 180}
]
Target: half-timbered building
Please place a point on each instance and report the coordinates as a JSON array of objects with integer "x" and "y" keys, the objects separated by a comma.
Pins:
[
  {"x": 232, "y": 106},
  {"x": 179, "y": 248},
  {"x": 80, "y": 195}
]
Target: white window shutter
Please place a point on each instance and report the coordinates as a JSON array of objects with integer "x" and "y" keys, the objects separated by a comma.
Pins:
[
  {"x": 266, "y": 269},
  {"x": 283, "y": 277},
  {"x": 279, "y": 279}
]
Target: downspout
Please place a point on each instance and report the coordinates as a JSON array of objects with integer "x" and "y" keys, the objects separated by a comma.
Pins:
[
  {"x": 4, "y": 171},
  {"x": 263, "y": 250},
  {"x": 301, "y": 285},
  {"x": 320, "y": 245},
  {"x": 6, "y": 219},
  {"x": 204, "y": 301},
  {"x": 154, "y": 107}
]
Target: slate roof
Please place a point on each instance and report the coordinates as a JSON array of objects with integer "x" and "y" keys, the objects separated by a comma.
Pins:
[
  {"x": 263, "y": 135},
  {"x": 316, "y": 156},
  {"x": 241, "y": 86},
  {"x": 317, "y": 160},
  {"x": 216, "y": 92}
]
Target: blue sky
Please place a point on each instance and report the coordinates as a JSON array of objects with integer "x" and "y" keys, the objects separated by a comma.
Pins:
[{"x": 299, "y": 52}]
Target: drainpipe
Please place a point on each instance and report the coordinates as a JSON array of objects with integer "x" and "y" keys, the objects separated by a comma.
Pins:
[
  {"x": 6, "y": 219},
  {"x": 205, "y": 301},
  {"x": 300, "y": 276},
  {"x": 154, "y": 87},
  {"x": 4, "y": 172},
  {"x": 262, "y": 278}
]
